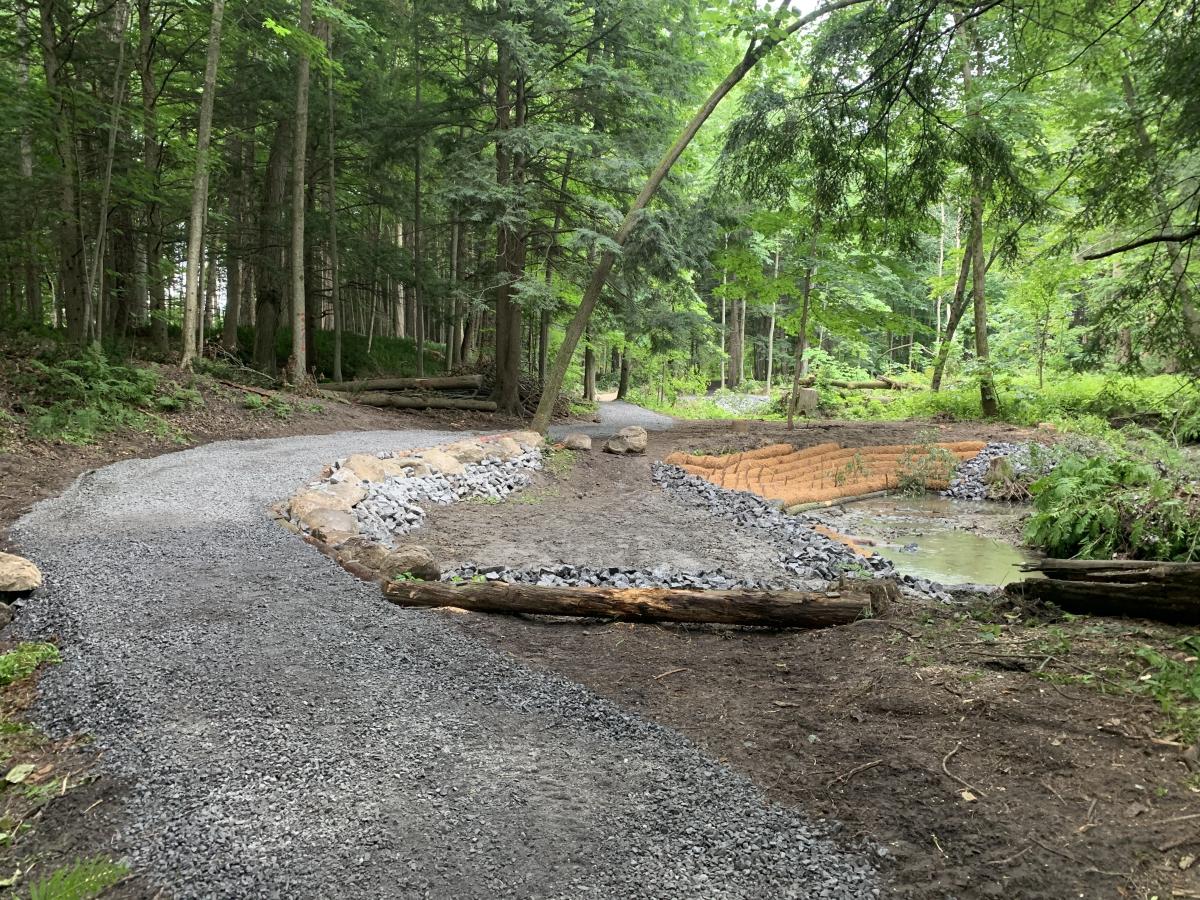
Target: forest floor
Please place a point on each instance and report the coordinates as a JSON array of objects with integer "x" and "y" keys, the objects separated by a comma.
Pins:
[
  {"x": 1077, "y": 786},
  {"x": 988, "y": 752}
]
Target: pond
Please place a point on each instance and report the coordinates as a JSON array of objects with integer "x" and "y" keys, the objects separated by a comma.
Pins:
[{"x": 951, "y": 541}]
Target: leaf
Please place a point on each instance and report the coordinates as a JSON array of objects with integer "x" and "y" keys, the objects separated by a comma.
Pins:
[
  {"x": 968, "y": 796},
  {"x": 17, "y": 774},
  {"x": 12, "y": 879}
]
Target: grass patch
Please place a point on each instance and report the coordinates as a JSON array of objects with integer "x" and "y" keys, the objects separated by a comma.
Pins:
[
  {"x": 83, "y": 880},
  {"x": 559, "y": 463},
  {"x": 21, "y": 661}
]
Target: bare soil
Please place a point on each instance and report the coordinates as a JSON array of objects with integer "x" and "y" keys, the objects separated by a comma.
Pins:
[{"x": 987, "y": 751}]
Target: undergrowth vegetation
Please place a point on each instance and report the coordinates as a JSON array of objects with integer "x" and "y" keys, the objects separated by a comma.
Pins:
[
  {"x": 1134, "y": 499},
  {"x": 77, "y": 398}
]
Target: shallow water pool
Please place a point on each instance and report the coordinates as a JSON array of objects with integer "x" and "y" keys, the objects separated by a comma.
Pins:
[{"x": 951, "y": 541}]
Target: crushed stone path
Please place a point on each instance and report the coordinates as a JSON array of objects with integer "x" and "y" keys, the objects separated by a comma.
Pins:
[
  {"x": 615, "y": 415},
  {"x": 287, "y": 733}
]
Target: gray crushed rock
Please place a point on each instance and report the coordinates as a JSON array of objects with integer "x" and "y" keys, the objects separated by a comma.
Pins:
[
  {"x": 804, "y": 552},
  {"x": 564, "y": 575},
  {"x": 968, "y": 482},
  {"x": 287, "y": 733},
  {"x": 397, "y": 505}
]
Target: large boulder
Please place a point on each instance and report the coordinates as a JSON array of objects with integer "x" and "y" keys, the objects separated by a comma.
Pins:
[
  {"x": 530, "y": 440},
  {"x": 18, "y": 575},
  {"x": 467, "y": 452},
  {"x": 410, "y": 559},
  {"x": 342, "y": 495},
  {"x": 366, "y": 467},
  {"x": 506, "y": 448},
  {"x": 440, "y": 461},
  {"x": 631, "y": 439},
  {"x": 363, "y": 551},
  {"x": 333, "y": 526},
  {"x": 577, "y": 440},
  {"x": 404, "y": 467}
]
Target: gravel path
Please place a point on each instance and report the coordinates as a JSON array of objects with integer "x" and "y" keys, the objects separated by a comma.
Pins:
[
  {"x": 615, "y": 415},
  {"x": 289, "y": 734}
]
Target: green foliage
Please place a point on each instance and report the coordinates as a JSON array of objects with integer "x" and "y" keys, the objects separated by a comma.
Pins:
[
  {"x": 85, "y": 879},
  {"x": 20, "y": 662},
  {"x": 1097, "y": 505},
  {"x": 78, "y": 399},
  {"x": 924, "y": 466},
  {"x": 1173, "y": 681}
]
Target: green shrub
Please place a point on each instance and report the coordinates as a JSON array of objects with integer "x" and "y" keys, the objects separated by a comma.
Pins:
[
  {"x": 77, "y": 399},
  {"x": 1097, "y": 505}
]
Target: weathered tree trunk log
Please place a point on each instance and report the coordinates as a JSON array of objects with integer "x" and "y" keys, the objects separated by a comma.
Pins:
[
  {"x": 874, "y": 384},
  {"x": 1168, "y": 592},
  {"x": 424, "y": 401},
  {"x": 433, "y": 383},
  {"x": 780, "y": 609}
]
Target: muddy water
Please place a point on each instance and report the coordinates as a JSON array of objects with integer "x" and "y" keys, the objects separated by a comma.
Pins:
[{"x": 951, "y": 541}]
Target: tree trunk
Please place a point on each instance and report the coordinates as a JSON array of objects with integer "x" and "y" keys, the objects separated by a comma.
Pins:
[
  {"x": 335, "y": 275},
  {"x": 432, "y": 383},
  {"x": 958, "y": 305},
  {"x": 299, "y": 359},
  {"x": 33, "y": 277},
  {"x": 626, "y": 370},
  {"x": 191, "y": 302},
  {"x": 271, "y": 260},
  {"x": 802, "y": 335},
  {"x": 1143, "y": 590},
  {"x": 778, "y": 609},
  {"x": 72, "y": 299},
  {"x": 425, "y": 401}
]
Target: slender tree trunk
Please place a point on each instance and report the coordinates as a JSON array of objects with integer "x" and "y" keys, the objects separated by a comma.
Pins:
[
  {"x": 33, "y": 277},
  {"x": 987, "y": 388},
  {"x": 591, "y": 295},
  {"x": 199, "y": 207},
  {"x": 299, "y": 358},
  {"x": 72, "y": 299},
  {"x": 151, "y": 161},
  {"x": 958, "y": 305},
  {"x": 233, "y": 253},
  {"x": 271, "y": 259},
  {"x": 798, "y": 370},
  {"x": 589, "y": 370},
  {"x": 626, "y": 370},
  {"x": 335, "y": 275}
]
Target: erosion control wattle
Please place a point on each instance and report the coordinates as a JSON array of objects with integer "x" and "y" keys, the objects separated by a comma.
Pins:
[{"x": 826, "y": 473}]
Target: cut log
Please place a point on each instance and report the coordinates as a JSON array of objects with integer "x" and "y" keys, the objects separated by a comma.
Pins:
[
  {"x": 779, "y": 609},
  {"x": 873, "y": 384},
  {"x": 423, "y": 401},
  {"x": 1167, "y": 592},
  {"x": 433, "y": 383},
  {"x": 1117, "y": 570}
]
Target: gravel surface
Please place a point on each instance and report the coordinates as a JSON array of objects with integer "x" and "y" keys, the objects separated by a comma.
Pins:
[
  {"x": 615, "y": 415},
  {"x": 289, "y": 734}
]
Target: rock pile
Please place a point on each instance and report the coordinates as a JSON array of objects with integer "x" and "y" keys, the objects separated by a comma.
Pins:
[
  {"x": 970, "y": 481},
  {"x": 588, "y": 576},
  {"x": 805, "y": 553},
  {"x": 741, "y": 404},
  {"x": 396, "y": 505},
  {"x": 374, "y": 497}
]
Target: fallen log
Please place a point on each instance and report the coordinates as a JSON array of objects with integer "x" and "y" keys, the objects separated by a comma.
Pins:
[
  {"x": 779, "y": 609},
  {"x": 432, "y": 383},
  {"x": 880, "y": 383},
  {"x": 423, "y": 401},
  {"x": 1167, "y": 592}
]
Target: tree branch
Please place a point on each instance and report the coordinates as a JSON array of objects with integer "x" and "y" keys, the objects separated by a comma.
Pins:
[{"x": 1177, "y": 238}]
